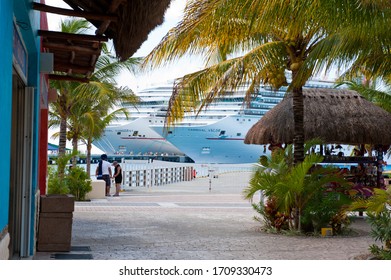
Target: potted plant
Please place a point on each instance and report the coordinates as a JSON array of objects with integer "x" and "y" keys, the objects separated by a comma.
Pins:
[{"x": 56, "y": 208}]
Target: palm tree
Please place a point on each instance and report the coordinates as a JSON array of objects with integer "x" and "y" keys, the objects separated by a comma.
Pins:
[
  {"x": 98, "y": 102},
  {"x": 378, "y": 94},
  {"x": 265, "y": 39},
  {"x": 64, "y": 88},
  {"x": 76, "y": 100},
  {"x": 96, "y": 123}
]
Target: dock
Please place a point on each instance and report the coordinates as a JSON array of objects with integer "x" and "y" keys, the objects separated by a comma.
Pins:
[{"x": 52, "y": 159}]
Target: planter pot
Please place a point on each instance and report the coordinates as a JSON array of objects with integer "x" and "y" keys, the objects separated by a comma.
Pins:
[{"x": 55, "y": 223}]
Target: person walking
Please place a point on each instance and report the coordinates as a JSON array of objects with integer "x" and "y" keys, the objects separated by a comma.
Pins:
[
  {"x": 103, "y": 172},
  {"x": 117, "y": 177}
]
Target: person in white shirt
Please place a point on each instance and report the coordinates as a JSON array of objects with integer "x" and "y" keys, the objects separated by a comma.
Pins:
[{"x": 103, "y": 172}]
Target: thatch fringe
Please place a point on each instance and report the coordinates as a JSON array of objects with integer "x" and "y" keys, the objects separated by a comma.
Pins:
[
  {"x": 136, "y": 19},
  {"x": 333, "y": 115}
]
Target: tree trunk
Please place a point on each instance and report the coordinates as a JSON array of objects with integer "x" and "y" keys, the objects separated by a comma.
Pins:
[
  {"x": 63, "y": 125},
  {"x": 62, "y": 137},
  {"x": 298, "y": 117},
  {"x": 89, "y": 148},
  {"x": 62, "y": 146},
  {"x": 74, "y": 151}
]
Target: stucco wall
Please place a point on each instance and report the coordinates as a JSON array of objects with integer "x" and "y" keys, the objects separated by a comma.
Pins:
[
  {"x": 28, "y": 22},
  {"x": 6, "y": 23}
]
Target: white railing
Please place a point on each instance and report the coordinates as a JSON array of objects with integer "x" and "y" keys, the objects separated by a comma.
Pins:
[
  {"x": 143, "y": 173},
  {"x": 137, "y": 173}
]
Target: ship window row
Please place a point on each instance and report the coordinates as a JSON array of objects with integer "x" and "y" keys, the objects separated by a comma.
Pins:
[
  {"x": 261, "y": 106},
  {"x": 253, "y": 112},
  {"x": 318, "y": 86},
  {"x": 270, "y": 100},
  {"x": 135, "y": 133},
  {"x": 243, "y": 120},
  {"x": 272, "y": 94}
]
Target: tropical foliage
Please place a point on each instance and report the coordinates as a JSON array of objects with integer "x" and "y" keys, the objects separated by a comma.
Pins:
[
  {"x": 272, "y": 42},
  {"x": 74, "y": 180},
  {"x": 306, "y": 195},
  {"x": 378, "y": 209}
]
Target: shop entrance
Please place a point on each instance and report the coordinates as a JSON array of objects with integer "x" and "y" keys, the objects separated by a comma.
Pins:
[{"x": 21, "y": 167}]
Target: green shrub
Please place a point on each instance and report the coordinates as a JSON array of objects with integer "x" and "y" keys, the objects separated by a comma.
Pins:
[
  {"x": 56, "y": 185},
  {"x": 78, "y": 182},
  {"x": 380, "y": 253},
  {"x": 271, "y": 217},
  {"x": 305, "y": 194},
  {"x": 379, "y": 216},
  {"x": 381, "y": 227},
  {"x": 325, "y": 209},
  {"x": 73, "y": 181}
]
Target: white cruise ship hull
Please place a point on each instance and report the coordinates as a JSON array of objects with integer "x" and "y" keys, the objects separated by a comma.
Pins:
[
  {"x": 218, "y": 142},
  {"x": 134, "y": 138}
]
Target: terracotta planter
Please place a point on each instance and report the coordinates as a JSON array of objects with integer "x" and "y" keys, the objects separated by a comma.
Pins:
[{"x": 55, "y": 223}]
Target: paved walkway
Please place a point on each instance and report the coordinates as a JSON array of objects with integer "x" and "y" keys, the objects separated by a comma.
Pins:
[{"x": 187, "y": 221}]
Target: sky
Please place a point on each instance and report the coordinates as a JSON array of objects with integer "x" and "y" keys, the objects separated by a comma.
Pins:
[{"x": 159, "y": 76}]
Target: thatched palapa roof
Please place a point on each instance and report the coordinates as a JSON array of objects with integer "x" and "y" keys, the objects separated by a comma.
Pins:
[
  {"x": 127, "y": 22},
  {"x": 333, "y": 115},
  {"x": 135, "y": 19}
]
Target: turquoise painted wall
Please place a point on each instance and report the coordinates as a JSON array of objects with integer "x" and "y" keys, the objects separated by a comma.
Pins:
[
  {"x": 6, "y": 27},
  {"x": 28, "y": 22},
  {"x": 24, "y": 14}
]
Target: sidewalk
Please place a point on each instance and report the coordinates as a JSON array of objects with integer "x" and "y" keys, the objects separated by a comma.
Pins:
[{"x": 187, "y": 221}]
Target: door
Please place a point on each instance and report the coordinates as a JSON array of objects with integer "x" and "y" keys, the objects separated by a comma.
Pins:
[{"x": 21, "y": 168}]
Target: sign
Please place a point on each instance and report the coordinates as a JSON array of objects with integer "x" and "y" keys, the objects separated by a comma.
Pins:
[{"x": 19, "y": 52}]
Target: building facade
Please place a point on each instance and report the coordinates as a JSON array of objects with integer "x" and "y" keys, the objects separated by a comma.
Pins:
[{"x": 23, "y": 97}]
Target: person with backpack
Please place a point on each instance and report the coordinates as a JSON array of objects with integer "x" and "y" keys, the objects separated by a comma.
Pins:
[{"x": 103, "y": 172}]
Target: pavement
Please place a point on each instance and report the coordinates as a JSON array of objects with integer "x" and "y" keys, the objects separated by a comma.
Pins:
[{"x": 204, "y": 219}]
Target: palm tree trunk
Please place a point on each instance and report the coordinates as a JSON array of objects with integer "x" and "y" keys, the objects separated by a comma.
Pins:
[
  {"x": 298, "y": 117},
  {"x": 62, "y": 137},
  {"x": 89, "y": 148},
  {"x": 74, "y": 151},
  {"x": 62, "y": 145}
]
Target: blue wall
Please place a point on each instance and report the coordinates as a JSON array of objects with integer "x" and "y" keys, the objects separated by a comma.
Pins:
[
  {"x": 24, "y": 14},
  {"x": 6, "y": 27},
  {"x": 28, "y": 22}
]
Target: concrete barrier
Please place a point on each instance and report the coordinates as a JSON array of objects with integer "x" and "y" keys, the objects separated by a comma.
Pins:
[{"x": 98, "y": 190}]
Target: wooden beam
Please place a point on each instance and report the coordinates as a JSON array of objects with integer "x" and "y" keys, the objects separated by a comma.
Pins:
[
  {"x": 63, "y": 47},
  {"x": 105, "y": 24},
  {"x": 68, "y": 78},
  {"x": 73, "y": 13},
  {"x": 72, "y": 36},
  {"x": 64, "y": 67}
]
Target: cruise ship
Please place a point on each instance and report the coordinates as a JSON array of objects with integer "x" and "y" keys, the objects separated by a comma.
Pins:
[
  {"x": 221, "y": 140},
  {"x": 215, "y": 135},
  {"x": 133, "y": 136}
]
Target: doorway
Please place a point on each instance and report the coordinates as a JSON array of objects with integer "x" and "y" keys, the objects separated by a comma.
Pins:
[{"x": 21, "y": 167}]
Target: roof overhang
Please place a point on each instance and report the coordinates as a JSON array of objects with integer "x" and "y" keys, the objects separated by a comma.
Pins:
[{"x": 127, "y": 22}]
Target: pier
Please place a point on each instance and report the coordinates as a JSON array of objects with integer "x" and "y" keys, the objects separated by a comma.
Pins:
[{"x": 52, "y": 159}]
